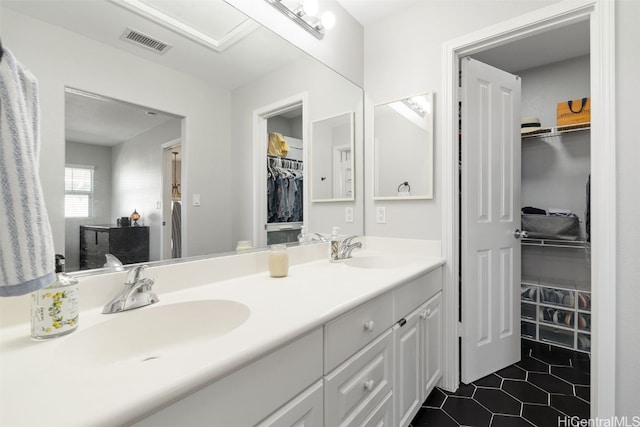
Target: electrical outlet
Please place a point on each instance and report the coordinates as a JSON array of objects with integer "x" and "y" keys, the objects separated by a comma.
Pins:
[
  {"x": 381, "y": 215},
  {"x": 158, "y": 204},
  {"x": 196, "y": 200},
  {"x": 348, "y": 214}
]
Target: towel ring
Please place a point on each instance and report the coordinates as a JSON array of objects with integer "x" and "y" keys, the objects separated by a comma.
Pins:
[{"x": 404, "y": 184}]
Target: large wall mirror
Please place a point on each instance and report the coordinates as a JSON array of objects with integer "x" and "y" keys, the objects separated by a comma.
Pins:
[
  {"x": 332, "y": 174},
  {"x": 175, "y": 113},
  {"x": 403, "y": 149}
]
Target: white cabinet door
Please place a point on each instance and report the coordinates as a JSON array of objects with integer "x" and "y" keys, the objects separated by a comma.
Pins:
[
  {"x": 304, "y": 410},
  {"x": 407, "y": 387},
  {"x": 431, "y": 338}
]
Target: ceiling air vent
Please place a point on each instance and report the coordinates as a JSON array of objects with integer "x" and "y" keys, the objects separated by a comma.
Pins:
[{"x": 143, "y": 40}]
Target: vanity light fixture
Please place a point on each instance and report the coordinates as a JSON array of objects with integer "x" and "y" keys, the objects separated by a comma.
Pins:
[{"x": 305, "y": 15}]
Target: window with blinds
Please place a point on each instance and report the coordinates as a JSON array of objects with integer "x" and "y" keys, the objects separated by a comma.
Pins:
[{"x": 78, "y": 191}]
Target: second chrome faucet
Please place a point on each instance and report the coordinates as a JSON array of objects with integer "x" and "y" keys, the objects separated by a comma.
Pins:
[{"x": 341, "y": 249}]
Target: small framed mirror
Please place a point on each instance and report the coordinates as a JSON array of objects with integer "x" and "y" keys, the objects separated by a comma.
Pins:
[
  {"x": 403, "y": 149},
  {"x": 332, "y": 160}
]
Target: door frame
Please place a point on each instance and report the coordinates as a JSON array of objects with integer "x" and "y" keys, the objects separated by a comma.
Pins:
[
  {"x": 600, "y": 13},
  {"x": 260, "y": 145}
]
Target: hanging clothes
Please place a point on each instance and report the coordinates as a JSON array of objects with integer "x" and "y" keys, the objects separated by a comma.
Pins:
[{"x": 285, "y": 181}]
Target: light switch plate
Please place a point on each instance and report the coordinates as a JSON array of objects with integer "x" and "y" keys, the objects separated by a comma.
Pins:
[
  {"x": 196, "y": 200},
  {"x": 381, "y": 215},
  {"x": 348, "y": 214}
]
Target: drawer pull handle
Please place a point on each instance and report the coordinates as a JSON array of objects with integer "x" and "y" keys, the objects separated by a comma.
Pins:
[
  {"x": 369, "y": 325},
  {"x": 429, "y": 313},
  {"x": 368, "y": 385},
  {"x": 423, "y": 314}
]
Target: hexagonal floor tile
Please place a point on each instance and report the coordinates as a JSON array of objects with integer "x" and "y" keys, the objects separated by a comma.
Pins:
[
  {"x": 512, "y": 372},
  {"x": 550, "y": 383},
  {"x": 541, "y": 415},
  {"x": 497, "y": 401},
  {"x": 435, "y": 398},
  {"x": 492, "y": 381},
  {"x": 467, "y": 411},
  {"x": 583, "y": 392},
  {"x": 432, "y": 418},
  {"x": 553, "y": 355},
  {"x": 570, "y": 405},
  {"x": 525, "y": 392},
  {"x": 509, "y": 421},
  {"x": 572, "y": 375},
  {"x": 530, "y": 364}
]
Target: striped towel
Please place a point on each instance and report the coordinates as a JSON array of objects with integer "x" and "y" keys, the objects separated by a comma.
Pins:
[{"x": 26, "y": 244}]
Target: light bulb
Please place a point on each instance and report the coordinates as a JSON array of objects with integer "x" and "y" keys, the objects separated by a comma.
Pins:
[
  {"x": 310, "y": 7},
  {"x": 328, "y": 20}
]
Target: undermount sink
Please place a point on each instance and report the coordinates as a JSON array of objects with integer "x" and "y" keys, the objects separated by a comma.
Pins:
[
  {"x": 147, "y": 333},
  {"x": 378, "y": 261}
]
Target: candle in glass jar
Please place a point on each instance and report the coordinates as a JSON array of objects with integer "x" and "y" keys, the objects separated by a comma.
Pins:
[{"x": 278, "y": 261}]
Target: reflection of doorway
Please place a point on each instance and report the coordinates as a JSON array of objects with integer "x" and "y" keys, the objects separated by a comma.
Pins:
[
  {"x": 120, "y": 141},
  {"x": 342, "y": 185},
  {"x": 600, "y": 15},
  {"x": 269, "y": 119},
  {"x": 171, "y": 232}
]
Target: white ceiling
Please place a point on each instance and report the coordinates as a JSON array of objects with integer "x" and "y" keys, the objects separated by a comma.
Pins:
[
  {"x": 102, "y": 122},
  {"x": 368, "y": 12}
]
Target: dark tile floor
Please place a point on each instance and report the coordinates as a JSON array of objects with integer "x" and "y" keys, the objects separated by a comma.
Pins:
[{"x": 548, "y": 383}]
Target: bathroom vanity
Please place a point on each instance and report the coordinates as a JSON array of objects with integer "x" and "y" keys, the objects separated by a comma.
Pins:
[{"x": 350, "y": 343}]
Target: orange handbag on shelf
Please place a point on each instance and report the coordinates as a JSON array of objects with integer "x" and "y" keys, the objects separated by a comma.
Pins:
[{"x": 574, "y": 112}]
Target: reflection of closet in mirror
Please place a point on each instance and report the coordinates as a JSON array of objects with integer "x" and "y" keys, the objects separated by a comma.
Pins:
[
  {"x": 285, "y": 176},
  {"x": 403, "y": 149},
  {"x": 122, "y": 145},
  {"x": 172, "y": 200},
  {"x": 332, "y": 159}
]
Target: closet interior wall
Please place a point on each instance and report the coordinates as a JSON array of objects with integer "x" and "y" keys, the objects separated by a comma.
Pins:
[{"x": 554, "y": 173}]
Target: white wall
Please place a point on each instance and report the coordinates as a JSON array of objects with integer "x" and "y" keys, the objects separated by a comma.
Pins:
[
  {"x": 137, "y": 179},
  {"x": 99, "y": 157},
  {"x": 59, "y": 58},
  {"x": 341, "y": 48},
  {"x": 403, "y": 57},
  {"x": 328, "y": 94},
  {"x": 628, "y": 236}
]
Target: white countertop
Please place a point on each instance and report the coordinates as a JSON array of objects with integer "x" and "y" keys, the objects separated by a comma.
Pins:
[{"x": 37, "y": 388}]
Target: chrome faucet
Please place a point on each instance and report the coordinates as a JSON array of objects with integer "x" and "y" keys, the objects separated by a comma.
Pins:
[
  {"x": 135, "y": 294},
  {"x": 342, "y": 249}
]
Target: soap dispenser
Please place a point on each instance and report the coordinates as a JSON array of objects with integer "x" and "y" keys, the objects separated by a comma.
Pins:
[
  {"x": 334, "y": 244},
  {"x": 54, "y": 309},
  {"x": 302, "y": 237}
]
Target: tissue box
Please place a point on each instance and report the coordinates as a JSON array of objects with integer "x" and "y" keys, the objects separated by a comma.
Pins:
[{"x": 551, "y": 227}]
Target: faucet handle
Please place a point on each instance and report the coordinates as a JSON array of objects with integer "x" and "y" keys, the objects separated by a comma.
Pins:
[
  {"x": 135, "y": 274},
  {"x": 347, "y": 240}
]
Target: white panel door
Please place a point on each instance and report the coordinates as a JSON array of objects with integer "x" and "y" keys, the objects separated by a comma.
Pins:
[{"x": 490, "y": 252}]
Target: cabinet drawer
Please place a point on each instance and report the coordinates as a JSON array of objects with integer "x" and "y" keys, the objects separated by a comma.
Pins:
[
  {"x": 558, "y": 336},
  {"x": 306, "y": 410},
  {"x": 352, "y": 331},
  {"x": 383, "y": 415},
  {"x": 408, "y": 297},
  {"x": 355, "y": 388}
]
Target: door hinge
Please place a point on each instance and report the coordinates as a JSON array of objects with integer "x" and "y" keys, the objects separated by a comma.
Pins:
[
  {"x": 460, "y": 329},
  {"x": 459, "y": 94}
]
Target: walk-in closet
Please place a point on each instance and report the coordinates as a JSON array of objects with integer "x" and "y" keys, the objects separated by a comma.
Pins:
[{"x": 285, "y": 177}]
